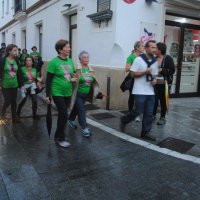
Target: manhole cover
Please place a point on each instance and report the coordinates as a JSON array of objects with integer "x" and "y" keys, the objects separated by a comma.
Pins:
[
  {"x": 180, "y": 146},
  {"x": 100, "y": 116}
]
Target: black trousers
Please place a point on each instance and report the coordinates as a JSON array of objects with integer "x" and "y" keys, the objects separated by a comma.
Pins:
[
  {"x": 131, "y": 98},
  {"x": 34, "y": 103},
  {"x": 160, "y": 96},
  {"x": 62, "y": 104},
  {"x": 10, "y": 98}
]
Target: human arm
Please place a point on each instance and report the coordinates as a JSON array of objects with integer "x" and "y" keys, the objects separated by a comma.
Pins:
[{"x": 168, "y": 66}]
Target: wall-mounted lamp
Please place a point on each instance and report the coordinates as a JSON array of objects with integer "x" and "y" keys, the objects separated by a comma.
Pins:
[{"x": 68, "y": 5}]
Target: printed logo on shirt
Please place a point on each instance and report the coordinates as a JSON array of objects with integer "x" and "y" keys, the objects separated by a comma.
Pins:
[
  {"x": 30, "y": 76},
  {"x": 87, "y": 78},
  {"x": 12, "y": 70},
  {"x": 66, "y": 69}
]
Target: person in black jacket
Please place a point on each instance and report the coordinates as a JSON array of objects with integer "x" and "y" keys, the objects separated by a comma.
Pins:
[
  {"x": 166, "y": 71},
  {"x": 10, "y": 77}
]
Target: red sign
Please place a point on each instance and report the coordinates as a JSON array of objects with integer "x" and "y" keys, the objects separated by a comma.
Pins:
[{"x": 129, "y": 1}]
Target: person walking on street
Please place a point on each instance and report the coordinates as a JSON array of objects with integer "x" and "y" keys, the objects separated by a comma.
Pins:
[
  {"x": 144, "y": 71},
  {"x": 29, "y": 85},
  {"x": 3, "y": 50},
  {"x": 23, "y": 57},
  {"x": 138, "y": 49},
  {"x": 10, "y": 75},
  {"x": 86, "y": 79},
  {"x": 59, "y": 80},
  {"x": 166, "y": 71}
]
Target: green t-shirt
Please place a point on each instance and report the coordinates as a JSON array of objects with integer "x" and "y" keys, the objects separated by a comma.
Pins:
[
  {"x": 10, "y": 75},
  {"x": 35, "y": 54},
  {"x": 29, "y": 76},
  {"x": 62, "y": 70},
  {"x": 22, "y": 59},
  {"x": 130, "y": 59},
  {"x": 85, "y": 81}
]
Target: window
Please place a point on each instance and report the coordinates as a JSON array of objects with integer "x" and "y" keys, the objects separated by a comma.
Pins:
[
  {"x": 13, "y": 38},
  {"x": 7, "y": 7},
  {"x": 20, "y": 5},
  {"x": 103, "y": 5},
  {"x": 2, "y": 16}
]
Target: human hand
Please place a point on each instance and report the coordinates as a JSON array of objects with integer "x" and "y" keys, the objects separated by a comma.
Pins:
[
  {"x": 74, "y": 79},
  {"x": 148, "y": 71},
  {"x": 48, "y": 100},
  {"x": 154, "y": 81}
]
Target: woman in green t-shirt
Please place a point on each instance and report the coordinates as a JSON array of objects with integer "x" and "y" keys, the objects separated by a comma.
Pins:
[
  {"x": 29, "y": 85},
  {"x": 23, "y": 57},
  {"x": 86, "y": 79},
  {"x": 10, "y": 75},
  {"x": 138, "y": 49},
  {"x": 60, "y": 75}
]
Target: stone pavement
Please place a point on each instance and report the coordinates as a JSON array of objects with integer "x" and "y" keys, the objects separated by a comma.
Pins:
[{"x": 103, "y": 167}]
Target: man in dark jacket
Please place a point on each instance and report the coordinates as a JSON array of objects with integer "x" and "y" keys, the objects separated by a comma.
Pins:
[{"x": 166, "y": 71}]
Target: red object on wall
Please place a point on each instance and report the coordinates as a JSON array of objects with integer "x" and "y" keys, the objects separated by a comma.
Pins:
[
  {"x": 195, "y": 34},
  {"x": 129, "y": 1}
]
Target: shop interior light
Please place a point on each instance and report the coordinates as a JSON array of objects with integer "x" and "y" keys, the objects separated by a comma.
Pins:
[{"x": 181, "y": 20}]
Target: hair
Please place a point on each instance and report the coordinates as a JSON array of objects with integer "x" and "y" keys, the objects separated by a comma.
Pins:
[
  {"x": 148, "y": 42},
  {"x": 19, "y": 49},
  {"x": 60, "y": 44},
  {"x": 31, "y": 59},
  {"x": 9, "y": 48},
  {"x": 81, "y": 54},
  {"x": 24, "y": 50},
  {"x": 3, "y": 44},
  {"x": 137, "y": 45},
  {"x": 34, "y": 47},
  {"x": 162, "y": 47}
]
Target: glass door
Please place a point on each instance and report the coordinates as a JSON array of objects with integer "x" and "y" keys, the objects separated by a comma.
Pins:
[
  {"x": 172, "y": 40},
  {"x": 190, "y": 62}
]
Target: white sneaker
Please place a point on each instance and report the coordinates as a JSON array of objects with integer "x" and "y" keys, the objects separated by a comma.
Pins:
[
  {"x": 137, "y": 119},
  {"x": 64, "y": 143}
]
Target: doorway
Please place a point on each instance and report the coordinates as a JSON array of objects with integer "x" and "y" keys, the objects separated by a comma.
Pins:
[{"x": 73, "y": 37}]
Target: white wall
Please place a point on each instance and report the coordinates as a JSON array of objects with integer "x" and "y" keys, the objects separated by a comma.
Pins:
[
  {"x": 129, "y": 18},
  {"x": 108, "y": 45}
]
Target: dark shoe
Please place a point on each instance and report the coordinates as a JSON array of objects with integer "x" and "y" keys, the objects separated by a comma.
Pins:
[
  {"x": 161, "y": 121},
  {"x": 36, "y": 117},
  {"x": 154, "y": 118},
  {"x": 147, "y": 136},
  {"x": 16, "y": 120},
  {"x": 122, "y": 125}
]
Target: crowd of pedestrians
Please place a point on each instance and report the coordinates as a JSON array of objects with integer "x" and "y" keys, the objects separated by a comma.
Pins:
[{"x": 149, "y": 73}]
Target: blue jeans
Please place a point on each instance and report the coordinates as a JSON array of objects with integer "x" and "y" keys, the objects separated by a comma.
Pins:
[
  {"x": 79, "y": 109},
  {"x": 143, "y": 104}
]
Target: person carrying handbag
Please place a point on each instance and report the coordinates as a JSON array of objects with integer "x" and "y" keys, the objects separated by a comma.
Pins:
[
  {"x": 165, "y": 76},
  {"x": 138, "y": 49},
  {"x": 85, "y": 85}
]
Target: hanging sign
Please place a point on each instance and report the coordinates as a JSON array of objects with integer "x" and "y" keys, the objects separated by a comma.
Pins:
[{"x": 129, "y": 1}]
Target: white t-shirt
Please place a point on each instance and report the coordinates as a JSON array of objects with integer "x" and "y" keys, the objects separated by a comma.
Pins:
[{"x": 141, "y": 85}]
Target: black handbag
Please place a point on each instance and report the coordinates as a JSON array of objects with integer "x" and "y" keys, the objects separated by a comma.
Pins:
[{"x": 127, "y": 83}]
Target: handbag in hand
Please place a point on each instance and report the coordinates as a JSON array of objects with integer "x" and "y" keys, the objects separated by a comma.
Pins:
[{"x": 127, "y": 83}]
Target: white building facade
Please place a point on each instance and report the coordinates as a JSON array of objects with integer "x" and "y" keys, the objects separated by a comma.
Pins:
[{"x": 107, "y": 29}]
